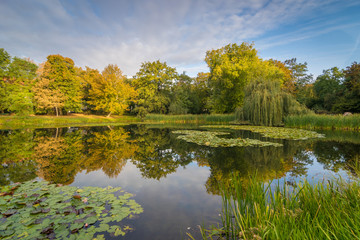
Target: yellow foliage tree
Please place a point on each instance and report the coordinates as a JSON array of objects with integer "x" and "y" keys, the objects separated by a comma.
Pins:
[{"x": 108, "y": 91}]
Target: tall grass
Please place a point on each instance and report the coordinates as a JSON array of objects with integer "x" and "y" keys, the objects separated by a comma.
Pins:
[
  {"x": 12, "y": 122},
  {"x": 189, "y": 118},
  {"x": 326, "y": 210},
  {"x": 317, "y": 121}
]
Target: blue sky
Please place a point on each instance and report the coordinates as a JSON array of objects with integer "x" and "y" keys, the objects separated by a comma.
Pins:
[{"x": 95, "y": 33}]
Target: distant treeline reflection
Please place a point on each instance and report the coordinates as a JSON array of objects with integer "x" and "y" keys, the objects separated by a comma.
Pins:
[{"x": 58, "y": 154}]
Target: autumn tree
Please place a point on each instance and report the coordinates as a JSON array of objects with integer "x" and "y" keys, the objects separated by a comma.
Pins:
[
  {"x": 153, "y": 83},
  {"x": 108, "y": 91},
  {"x": 231, "y": 68},
  {"x": 47, "y": 97},
  {"x": 288, "y": 83},
  {"x": 61, "y": 80}
]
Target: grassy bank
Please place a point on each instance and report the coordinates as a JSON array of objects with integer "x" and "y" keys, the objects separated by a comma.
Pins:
[
  {"x": 12, "y": 122},
  {"x": 316, "y": 121},
  {"x": 328, "y": 210},
  {"x": 189, "y": 118}
]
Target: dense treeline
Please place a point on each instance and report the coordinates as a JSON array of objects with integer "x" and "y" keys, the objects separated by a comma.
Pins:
[{"x": 260, "y": 91}]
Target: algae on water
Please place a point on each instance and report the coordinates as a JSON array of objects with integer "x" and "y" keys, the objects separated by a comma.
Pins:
[{"x": 211, "y": 139}]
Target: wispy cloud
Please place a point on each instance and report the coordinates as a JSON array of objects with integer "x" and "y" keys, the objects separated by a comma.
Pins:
[{"x": 97, "y": 32}]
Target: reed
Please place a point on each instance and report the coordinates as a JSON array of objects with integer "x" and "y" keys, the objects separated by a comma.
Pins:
[
  {"x": 326, "y": 210},
  {"x": 190, "y": 118},
  {"x": 317, "y": 121}
]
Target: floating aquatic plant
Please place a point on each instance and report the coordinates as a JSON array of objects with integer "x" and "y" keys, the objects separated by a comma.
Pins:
[
  {"x": 37, "y": 210},
  {"x": 274, "y": 132},
  {"x": 211, "y": 139}
]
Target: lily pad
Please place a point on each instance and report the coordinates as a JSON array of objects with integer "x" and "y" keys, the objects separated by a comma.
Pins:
[
  {"x": 211, "y": 139},
  {"x": 64, "y": 216},
  {"x": 274, "y": 132}
]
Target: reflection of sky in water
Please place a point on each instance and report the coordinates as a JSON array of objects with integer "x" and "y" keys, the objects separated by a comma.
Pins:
[{"x": 171, "y": 205}]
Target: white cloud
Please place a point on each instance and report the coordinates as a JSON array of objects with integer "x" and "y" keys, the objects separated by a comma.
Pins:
[{"x": 96, "y": 33}]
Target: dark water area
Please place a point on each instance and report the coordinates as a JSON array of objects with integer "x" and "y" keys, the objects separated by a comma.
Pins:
[{"x": 176, "y": 183}]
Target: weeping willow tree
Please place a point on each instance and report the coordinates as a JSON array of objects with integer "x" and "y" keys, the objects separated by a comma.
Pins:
[{"x": 265, "y": 103}]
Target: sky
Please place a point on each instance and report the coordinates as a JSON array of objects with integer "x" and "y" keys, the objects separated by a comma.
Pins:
[{"x": 95, "y": 33}]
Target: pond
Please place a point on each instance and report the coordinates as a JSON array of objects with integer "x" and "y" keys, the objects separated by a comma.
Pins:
[{"x": 176, "y": 182}]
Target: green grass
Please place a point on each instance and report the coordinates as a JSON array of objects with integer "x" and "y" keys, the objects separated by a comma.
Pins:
[
  {"x": 326, "y": 210},
  {"x": 317, "y": 121},
  {"x": 13, "y": 122},
  {"x": 189, "y": 118}
]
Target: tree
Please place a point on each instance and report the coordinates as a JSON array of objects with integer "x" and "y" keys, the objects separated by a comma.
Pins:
[
  {"x": 21, "y": 73},
  {"x": 181, "y": 95},
  {"x": 231, "y": 68},
  {"x": 327, "y": 86},
  {"x": 4, "y": 62},
  {"x": 62, "y": 80},
  {"x": 200, "y": 93},
  {"x": 47, "y": 97},
  {"x": 289, "y": 82},
  {"x": 267, "y": 104},
  {"x": 16, "y": 81},
  {"x": 153, "y": 83},
  {"x": 108, "y": 91},
  {"x": 300, "y": 77}
]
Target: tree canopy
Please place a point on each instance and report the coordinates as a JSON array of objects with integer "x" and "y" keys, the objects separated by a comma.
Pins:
[
  {"x": 153, "y": 83},
  {"x": 231, "y": 68},
  {"x": 108, "y": 91}
]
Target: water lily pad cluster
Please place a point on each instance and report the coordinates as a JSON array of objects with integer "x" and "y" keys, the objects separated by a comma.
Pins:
[
  {"x": 39, "y": 210},
  {"x": 274, "y": 132},
  {"x": 211, "y": 139}
]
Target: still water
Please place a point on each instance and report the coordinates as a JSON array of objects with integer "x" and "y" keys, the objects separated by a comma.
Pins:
[{"x": 175, "y": 182}]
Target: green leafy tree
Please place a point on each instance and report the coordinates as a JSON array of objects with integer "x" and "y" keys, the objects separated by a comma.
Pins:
[
  {"x": 231, "y": 68},
  {"x": 327, "y": 86},
  {"x": 200, "y": 93},
  {"x": 351, "y": 98},
  {"x": 4, "y": 62},
  {"x": 109, "y": 91},
  {"x": 181, "y": 102},
  {"x": 21, "y": 73},
  {"x": 153, "y": 83},
  {"x": 16, "y": 83},
  {"x": 300, "y": 77},
  {"x": 267, "y": 104}
]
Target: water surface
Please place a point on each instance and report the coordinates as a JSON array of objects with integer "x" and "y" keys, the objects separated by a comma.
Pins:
[{"x": 175, "y": 182}]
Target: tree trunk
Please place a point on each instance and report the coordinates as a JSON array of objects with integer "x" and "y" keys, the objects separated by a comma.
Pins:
[
  {"x": 108, "y": 114},
  {"x": 57, "y": 111}
]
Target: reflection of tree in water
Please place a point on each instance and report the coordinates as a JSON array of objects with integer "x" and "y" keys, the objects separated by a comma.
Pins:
[
  {"x": 108, "y": 150},
  {"x": 337, "y": 155},
  {"x": 17, "y": 172},
  {"x": 267, "y": 163},
  {"x": 63, "y": 155},
  {"x": 156, "y": 156},
  {"x": 16, "y": 150},
  {"x": 58, "y": 155},
  {"x": 16, "y": 145}
]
